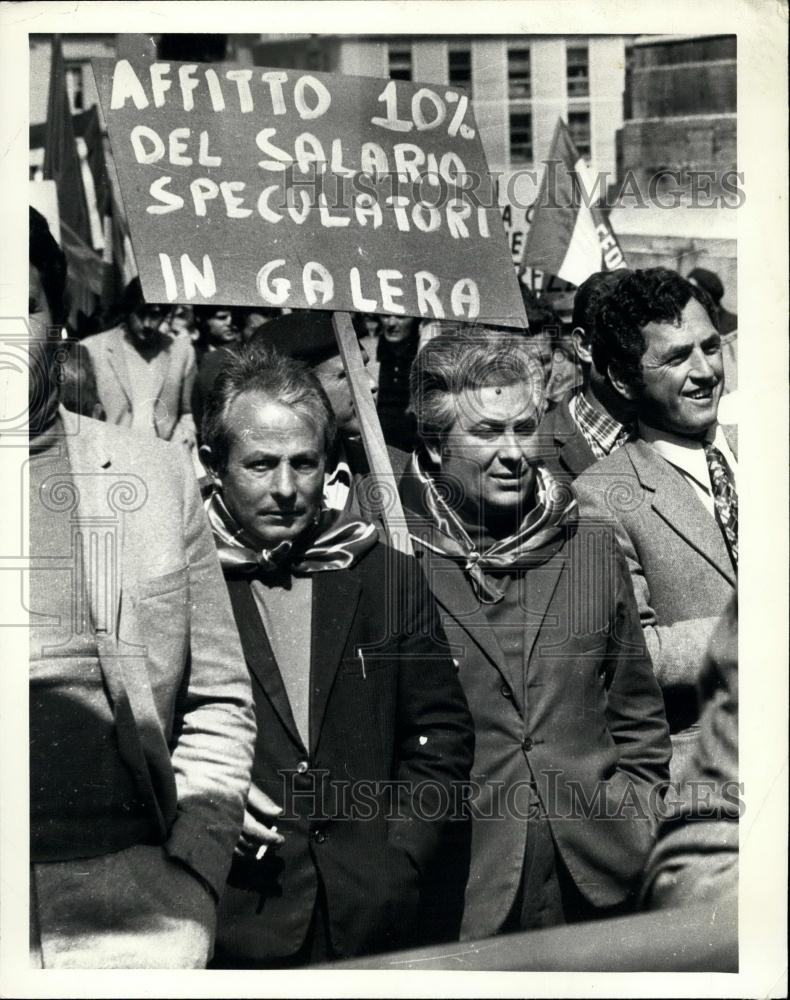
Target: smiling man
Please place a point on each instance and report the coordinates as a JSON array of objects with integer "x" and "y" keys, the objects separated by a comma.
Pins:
[
  {"x": 571, "y": 742},
  {"x": 669, "y": 498},
  {"x": 363, "y": 724}
]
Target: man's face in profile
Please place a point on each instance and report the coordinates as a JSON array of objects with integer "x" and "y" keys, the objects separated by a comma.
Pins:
[{"x": 332, "y": 376}]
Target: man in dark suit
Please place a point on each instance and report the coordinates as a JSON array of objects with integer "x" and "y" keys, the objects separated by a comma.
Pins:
[
  {"x": 670, "y": 497},
  {"x": 364, "y": 729},
  {"x": 571, "y": 740},
  {"x": 596, "y": 420}
]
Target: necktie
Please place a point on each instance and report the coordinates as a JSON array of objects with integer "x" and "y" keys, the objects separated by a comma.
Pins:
[{"x": 725, "y": 497}]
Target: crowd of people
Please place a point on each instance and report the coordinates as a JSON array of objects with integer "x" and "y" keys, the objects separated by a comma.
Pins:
[{"x": 261, "y": 737}]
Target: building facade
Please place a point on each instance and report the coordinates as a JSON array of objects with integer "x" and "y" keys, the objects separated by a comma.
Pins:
[
  {"x": 679, "y": 140},
  {"x": 647, "y": 105}
]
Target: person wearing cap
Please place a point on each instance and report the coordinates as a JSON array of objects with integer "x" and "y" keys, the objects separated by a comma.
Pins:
[
  {"x": 364, "y": 729},
  {"x": 144, "y": 375},
  {"x": 309, "y": 336},
  {"x": 596, "y": 420}
]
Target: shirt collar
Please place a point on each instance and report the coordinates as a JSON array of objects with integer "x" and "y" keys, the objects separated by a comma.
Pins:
[
  {"x": 340, "y": 474},
  {"x": 687, "y": 454},
  {"x": 595, "y": 422}
]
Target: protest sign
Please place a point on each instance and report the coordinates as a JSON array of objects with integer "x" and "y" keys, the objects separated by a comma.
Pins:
[{"x": 274, "y": 187}]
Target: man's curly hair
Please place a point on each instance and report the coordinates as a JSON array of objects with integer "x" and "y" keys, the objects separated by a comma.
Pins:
[{"x": 653, "y": 295}]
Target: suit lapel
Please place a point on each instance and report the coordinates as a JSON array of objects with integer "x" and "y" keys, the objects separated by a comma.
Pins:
[
  {"x": 455, "y": 594},
  {"x": 541, "y": 582},
  {"x": 259, "y": 655},
  {"x": 566, "y": 442},
  {"x": 730, "y": 432},
  {"x": 575, "y": 454},
  {"x": 100, "y": 571},
  {"x": 675, "y": 501},
  {"x": 335, "y": 599},
  {"x": 161, "y": 369},
  {"x": 117, "y": 361},
  {"x": 100, "y": 532}
]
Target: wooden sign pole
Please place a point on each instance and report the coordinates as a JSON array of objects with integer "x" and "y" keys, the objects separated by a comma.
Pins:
[{"x": 384, "y": 483}]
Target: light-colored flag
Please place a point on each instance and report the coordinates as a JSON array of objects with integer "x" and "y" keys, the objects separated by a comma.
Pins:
[{"x": 569, "y": 235}]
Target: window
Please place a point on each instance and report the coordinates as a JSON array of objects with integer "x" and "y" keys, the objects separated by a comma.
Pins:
[
  {"x": 519, "y": 74},
  {"x": 579, "y": 128},
  {"x": 75, "y": 88},
  {"x": 578, "y": 71},
  {"x": 520, "y": 137},
  {"x": 400, "y": 62},
  {"x": 459, "y": 66}
]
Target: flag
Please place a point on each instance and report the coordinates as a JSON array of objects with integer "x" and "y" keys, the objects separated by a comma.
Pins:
[
  {"x": 62, "y": 164},
  {"x": 569, "y": 235}
]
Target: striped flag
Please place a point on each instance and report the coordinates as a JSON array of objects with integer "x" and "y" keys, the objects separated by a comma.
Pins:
[
  {"x": 569, "y": 235},
  {"x": 62, "y": 164}
]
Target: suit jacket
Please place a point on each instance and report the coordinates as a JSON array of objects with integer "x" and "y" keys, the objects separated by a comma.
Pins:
[
  {"x": 173, "y": 369},
  {"x": 563, "y": 446},
  {"x": 583, "y": 717},
  {"x": 167, "y": 643},
  {"x": 680, "y": 569},
  {"x": 385, "y": 706}
]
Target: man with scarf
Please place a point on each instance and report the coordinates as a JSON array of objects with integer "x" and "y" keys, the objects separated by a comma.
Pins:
[
  {"x": 571, "y": 742},
  {"x": 364, "y": 729}
]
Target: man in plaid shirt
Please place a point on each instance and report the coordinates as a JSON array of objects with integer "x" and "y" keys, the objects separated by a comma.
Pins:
[{"x": 596, "y": 420}]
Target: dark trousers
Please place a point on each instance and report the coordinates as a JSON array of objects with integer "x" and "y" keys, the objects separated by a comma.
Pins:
[
  {"x": 547, "y": 895},
  {"x": 316, "y": 947}
]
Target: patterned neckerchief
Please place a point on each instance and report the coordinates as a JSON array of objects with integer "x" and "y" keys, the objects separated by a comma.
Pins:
[
  {"x": 337, "y": 542},
  {"x": 554, "y": 512},
  {"x": 602, "y": 432}
]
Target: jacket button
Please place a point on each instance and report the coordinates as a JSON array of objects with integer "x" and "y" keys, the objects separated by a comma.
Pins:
[
  {"x": 319, "y": 836},
  {"x": 526, "y": 743},
  {"x": 302, "y": 767},
  {"x": 505, "y": 691}
]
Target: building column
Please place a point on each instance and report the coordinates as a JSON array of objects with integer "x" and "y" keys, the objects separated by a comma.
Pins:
[
  {"x": 549, "y": 92},
  {"x": 489, "y": 77},
  {"x": 429, "y": 61},
  {"x": 607, "y": 83}
]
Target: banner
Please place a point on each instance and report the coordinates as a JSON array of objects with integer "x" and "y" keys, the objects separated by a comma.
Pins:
[
  {"x": 569, "y": 235},
  {"x": 271, "y": 187}
]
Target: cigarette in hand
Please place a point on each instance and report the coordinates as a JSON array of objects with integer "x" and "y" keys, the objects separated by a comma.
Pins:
[{"x": 262, "y": 848}]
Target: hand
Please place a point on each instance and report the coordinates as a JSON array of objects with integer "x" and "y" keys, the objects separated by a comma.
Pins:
[{"x": 258, "y": 836}]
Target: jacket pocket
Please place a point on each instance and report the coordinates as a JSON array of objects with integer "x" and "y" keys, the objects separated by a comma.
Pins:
[{"x": 164, "y": 584}]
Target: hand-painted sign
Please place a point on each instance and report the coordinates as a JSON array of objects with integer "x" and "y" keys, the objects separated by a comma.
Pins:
[{"x": 276, "y": 187}]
